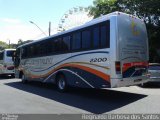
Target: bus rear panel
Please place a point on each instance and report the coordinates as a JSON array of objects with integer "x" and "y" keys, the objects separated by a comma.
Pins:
[{"x": 131, "y": 65}]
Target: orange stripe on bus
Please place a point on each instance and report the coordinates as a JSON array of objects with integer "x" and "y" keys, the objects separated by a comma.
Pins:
[{"x": 93, "y": 71}]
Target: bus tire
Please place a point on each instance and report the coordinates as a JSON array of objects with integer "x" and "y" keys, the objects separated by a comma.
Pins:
[
  {"x": 61, "y": 83},
  {"x": 24, "y": 80}
]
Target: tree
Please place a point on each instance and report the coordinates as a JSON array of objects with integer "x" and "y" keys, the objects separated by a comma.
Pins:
[
  {"x": 21, "y": 42},
  {"x": 102, "y": 7},
  {"x": 148, "y": 10},
  {"x": 3, "y": 45}
]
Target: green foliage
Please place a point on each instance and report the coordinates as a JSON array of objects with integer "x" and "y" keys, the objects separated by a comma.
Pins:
[
  {"x": 148, "y": 10},
  {"x": 102, "y": 7},
  {"x": 21, "y": 42},
  {"x": 3, "y": 45}
]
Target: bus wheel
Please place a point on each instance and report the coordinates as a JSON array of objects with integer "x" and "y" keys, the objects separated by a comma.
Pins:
[
  {"x": 23, "y": 79},
  {"x": 61, "y": 83}
]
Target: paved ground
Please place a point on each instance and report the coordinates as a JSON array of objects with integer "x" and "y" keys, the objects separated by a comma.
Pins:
[{"x": 16, "y": 97}]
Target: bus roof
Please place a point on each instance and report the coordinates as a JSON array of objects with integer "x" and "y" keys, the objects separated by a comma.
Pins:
[
  {"x": 87, "y": 24},
  {"x": 7, "y": 49}
]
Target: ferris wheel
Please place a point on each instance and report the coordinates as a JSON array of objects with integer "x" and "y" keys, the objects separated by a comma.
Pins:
[{"x": 74, "y": 17}]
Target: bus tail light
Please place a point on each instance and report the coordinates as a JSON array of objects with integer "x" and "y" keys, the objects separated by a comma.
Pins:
[{"x": 118, "y": 67}]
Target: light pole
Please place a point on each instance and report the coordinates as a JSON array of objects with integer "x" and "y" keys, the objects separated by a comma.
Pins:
[
  {"x": 38, "y": 27},
  {"x": 9, "y": 42},
  {"x": 49, "y": 29}
]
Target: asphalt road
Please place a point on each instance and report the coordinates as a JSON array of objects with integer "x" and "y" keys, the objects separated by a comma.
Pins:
[{"x": 36, "y": 98}]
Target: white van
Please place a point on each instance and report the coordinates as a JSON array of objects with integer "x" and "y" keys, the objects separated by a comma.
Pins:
[{"x": 6, "y": 62}]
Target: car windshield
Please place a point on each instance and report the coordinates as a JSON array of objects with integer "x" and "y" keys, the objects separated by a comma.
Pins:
[
  {"x": 154, "y": 67},
  {"x": 10, "y": 53}
]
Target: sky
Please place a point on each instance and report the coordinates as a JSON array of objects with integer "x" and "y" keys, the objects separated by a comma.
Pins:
[{"x": 16, "y": 14}]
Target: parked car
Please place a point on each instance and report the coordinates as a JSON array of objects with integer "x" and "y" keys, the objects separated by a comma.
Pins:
[{"x": 154, "y": 70}]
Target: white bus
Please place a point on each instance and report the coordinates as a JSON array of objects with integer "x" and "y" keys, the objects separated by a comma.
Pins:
[
  {"x": 110, "y": 51},
  {"x": 6, "y": 62}
]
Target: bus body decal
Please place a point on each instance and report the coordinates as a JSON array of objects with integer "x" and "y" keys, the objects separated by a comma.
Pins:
[
  {"x": 88, "y": 69},
  {"x": 72, "y": 73},
  {"x": 68, "y": 59},
  {"x": 129, "y": 65},
  {"x": 134, "y": 69}
]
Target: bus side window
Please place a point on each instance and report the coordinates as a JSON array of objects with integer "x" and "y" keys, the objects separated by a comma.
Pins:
[
  {"x": 96, "y": 37},
  {"x": 57, "y": 44},
  {"x": 24, "y": 52},
  {"x": 105, "y": 35},
  {"x": 76, "y": 41},
  {"x": 49, "y": 47},
  {"x": 86, "y": 39},
  {"x": 31, "y": 51},
  {"x": 44, "y": 48},
  {"x": 66, "y": 43}
]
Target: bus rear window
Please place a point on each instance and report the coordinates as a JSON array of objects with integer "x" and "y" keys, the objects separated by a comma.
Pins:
[{"x": 9, "y": 53}]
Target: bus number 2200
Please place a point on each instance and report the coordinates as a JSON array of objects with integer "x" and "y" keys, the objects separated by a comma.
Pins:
[{"x": 93, "y": 60}]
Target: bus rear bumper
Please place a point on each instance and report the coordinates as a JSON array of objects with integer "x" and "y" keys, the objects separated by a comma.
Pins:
[{"x": 130, "y": 81}]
